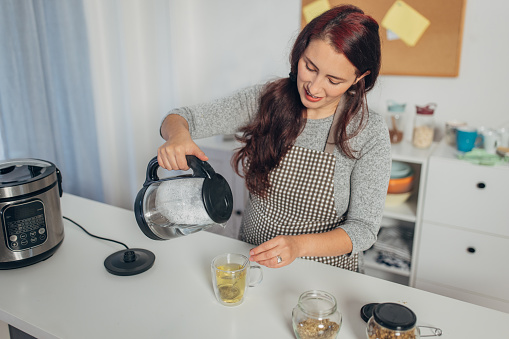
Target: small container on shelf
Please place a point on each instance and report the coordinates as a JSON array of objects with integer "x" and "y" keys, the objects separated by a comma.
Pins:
[
  {"x": 316, "y": 316},
  {"x": 424, "y": 126},
  {"x": 395, "y": 121}
]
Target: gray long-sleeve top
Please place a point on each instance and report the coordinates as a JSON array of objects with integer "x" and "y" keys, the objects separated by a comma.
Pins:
[{"x": 360, "y": 185}]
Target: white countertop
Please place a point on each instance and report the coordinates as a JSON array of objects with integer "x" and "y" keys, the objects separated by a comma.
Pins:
[{"x": 71, "y": 295}]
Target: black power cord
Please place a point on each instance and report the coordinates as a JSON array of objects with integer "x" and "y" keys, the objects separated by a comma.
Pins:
[{"x": 95, "y": 236}]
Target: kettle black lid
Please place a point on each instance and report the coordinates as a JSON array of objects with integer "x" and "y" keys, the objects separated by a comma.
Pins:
[
  {"x": 22, "y": 171},
  {"x": 217, "y": 198}
]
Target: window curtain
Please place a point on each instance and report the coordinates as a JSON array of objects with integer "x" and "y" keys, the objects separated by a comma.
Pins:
[
  {"x": 131, "y": 59},
  {"x": 84, "y": 84},
  {"x": 46, "y": 99}
]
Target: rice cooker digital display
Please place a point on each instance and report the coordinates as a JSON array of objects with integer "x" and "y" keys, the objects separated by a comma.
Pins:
[{"x": 24, "y": 225}]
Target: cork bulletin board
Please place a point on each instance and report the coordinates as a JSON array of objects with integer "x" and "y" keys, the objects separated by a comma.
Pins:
[{"x": 424, "y": 40}]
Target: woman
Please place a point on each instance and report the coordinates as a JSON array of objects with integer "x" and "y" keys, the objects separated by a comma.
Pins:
[{"x": 316, "y": 162}]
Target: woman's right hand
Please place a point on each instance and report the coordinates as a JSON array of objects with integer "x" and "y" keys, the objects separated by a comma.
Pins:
[{"x": 172, "y": 154}]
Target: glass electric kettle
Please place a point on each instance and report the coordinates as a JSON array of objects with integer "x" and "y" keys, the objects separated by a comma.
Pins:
[{"x": 178, "y": 206}]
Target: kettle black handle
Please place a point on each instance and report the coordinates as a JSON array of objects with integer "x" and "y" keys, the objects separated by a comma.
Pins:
[{"x": 201, "y": 169}]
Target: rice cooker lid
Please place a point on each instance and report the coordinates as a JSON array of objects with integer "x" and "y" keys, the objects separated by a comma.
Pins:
[{"x": 18, "y": 172}]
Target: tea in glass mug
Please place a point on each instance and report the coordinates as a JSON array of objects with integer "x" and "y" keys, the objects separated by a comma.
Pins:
[
  {"x": 231, "y": 277},
  {"x": 231, "y": 282}
]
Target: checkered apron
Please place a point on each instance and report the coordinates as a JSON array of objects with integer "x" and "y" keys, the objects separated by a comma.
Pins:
[{"x": 300, "y": 200}]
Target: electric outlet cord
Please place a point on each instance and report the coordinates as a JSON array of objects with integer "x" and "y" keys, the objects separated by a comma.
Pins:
[{"x": 93, "y": 235}]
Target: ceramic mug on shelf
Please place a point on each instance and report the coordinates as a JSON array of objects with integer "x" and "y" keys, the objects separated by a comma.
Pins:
[
  {"x": 465, "y": 138},
  {"x": 490, "y": 141},
  {"x": 231, "y": 276}
]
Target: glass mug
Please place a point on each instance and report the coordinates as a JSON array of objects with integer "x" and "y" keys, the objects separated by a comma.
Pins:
[{"x": 231, "y": 276}]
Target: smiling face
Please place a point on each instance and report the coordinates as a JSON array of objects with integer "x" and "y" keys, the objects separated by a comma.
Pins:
[{"x": 323, "y": 76}]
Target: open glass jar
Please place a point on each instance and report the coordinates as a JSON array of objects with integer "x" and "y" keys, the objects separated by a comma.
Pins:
[{"x": 316, "y": 316}]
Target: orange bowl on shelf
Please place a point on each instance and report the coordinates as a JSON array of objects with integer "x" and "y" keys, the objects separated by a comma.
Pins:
[
  {"x": 392, "y": 200},
  {"x": 400, "y": 185}
]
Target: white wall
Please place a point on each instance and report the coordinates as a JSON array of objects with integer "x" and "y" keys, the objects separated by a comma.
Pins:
[{"x": 224, "y": 45}]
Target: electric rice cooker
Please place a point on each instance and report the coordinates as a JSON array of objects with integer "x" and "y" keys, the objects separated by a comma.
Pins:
[{"x": 31, "y": 227}]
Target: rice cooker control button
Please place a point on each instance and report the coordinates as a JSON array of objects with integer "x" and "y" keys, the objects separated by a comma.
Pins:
[{"x": 25, "y": 225}]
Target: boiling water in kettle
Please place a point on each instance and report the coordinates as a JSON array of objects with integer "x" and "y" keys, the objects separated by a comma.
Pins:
[{"x": 180, "y": 201}]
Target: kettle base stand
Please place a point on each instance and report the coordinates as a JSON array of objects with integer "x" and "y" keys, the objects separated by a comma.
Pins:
[{"x": 129, "y": 262}]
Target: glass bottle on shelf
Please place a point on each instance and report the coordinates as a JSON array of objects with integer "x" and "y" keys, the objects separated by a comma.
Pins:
[
  {"x": 395, "y": 120},
  {"x": 424, "y": 126}
]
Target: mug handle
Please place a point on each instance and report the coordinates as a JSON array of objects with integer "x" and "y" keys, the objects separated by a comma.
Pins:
[{"x": 260, "y": 276}]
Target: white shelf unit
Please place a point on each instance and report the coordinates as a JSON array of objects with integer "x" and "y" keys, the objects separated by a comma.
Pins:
[{"x": 408, "y": 214}]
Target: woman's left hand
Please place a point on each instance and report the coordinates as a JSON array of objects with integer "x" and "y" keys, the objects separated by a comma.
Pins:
[{"x": 277, "y": 252}]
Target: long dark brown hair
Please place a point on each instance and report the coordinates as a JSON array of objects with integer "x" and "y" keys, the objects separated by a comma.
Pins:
[{"x": 279, "y": 121}]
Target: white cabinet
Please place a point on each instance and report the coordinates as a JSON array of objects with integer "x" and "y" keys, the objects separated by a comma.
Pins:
[
  {"x": 477, "y": 195},
  {"x": 464, "y": 243},
  {"x": 408, "y": 214}
]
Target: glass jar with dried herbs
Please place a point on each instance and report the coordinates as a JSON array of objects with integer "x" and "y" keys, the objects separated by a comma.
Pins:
[
  {"x": 392, "y": 321},
  {"x": 316, "y": 316}
]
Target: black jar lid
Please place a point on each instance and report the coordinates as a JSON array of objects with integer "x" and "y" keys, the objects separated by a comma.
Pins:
[
  {"x": 391, "y": 316},
  {"x": 367, "y": 311}
]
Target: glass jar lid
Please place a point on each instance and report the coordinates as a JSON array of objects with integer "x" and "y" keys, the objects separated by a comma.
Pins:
[
  {"x": 393, "y": 106},
  {"x": 394, "y": 316}
]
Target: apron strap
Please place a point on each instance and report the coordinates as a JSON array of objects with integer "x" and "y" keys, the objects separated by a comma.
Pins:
[{"x": 330, "y": 145}]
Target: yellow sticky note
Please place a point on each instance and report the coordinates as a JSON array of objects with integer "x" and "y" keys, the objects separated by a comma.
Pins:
[
  {"x": 314, "y": 9},
  {"x": 406, "y": 22}
]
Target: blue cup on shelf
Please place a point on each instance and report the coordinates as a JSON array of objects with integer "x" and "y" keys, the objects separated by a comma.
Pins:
[{"x": 465, "y": 138}]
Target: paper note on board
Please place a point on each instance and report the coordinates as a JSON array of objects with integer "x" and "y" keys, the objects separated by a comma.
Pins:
[
  {"x": 314, "y": 9},
  {"x": 405, "y": 22}
]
